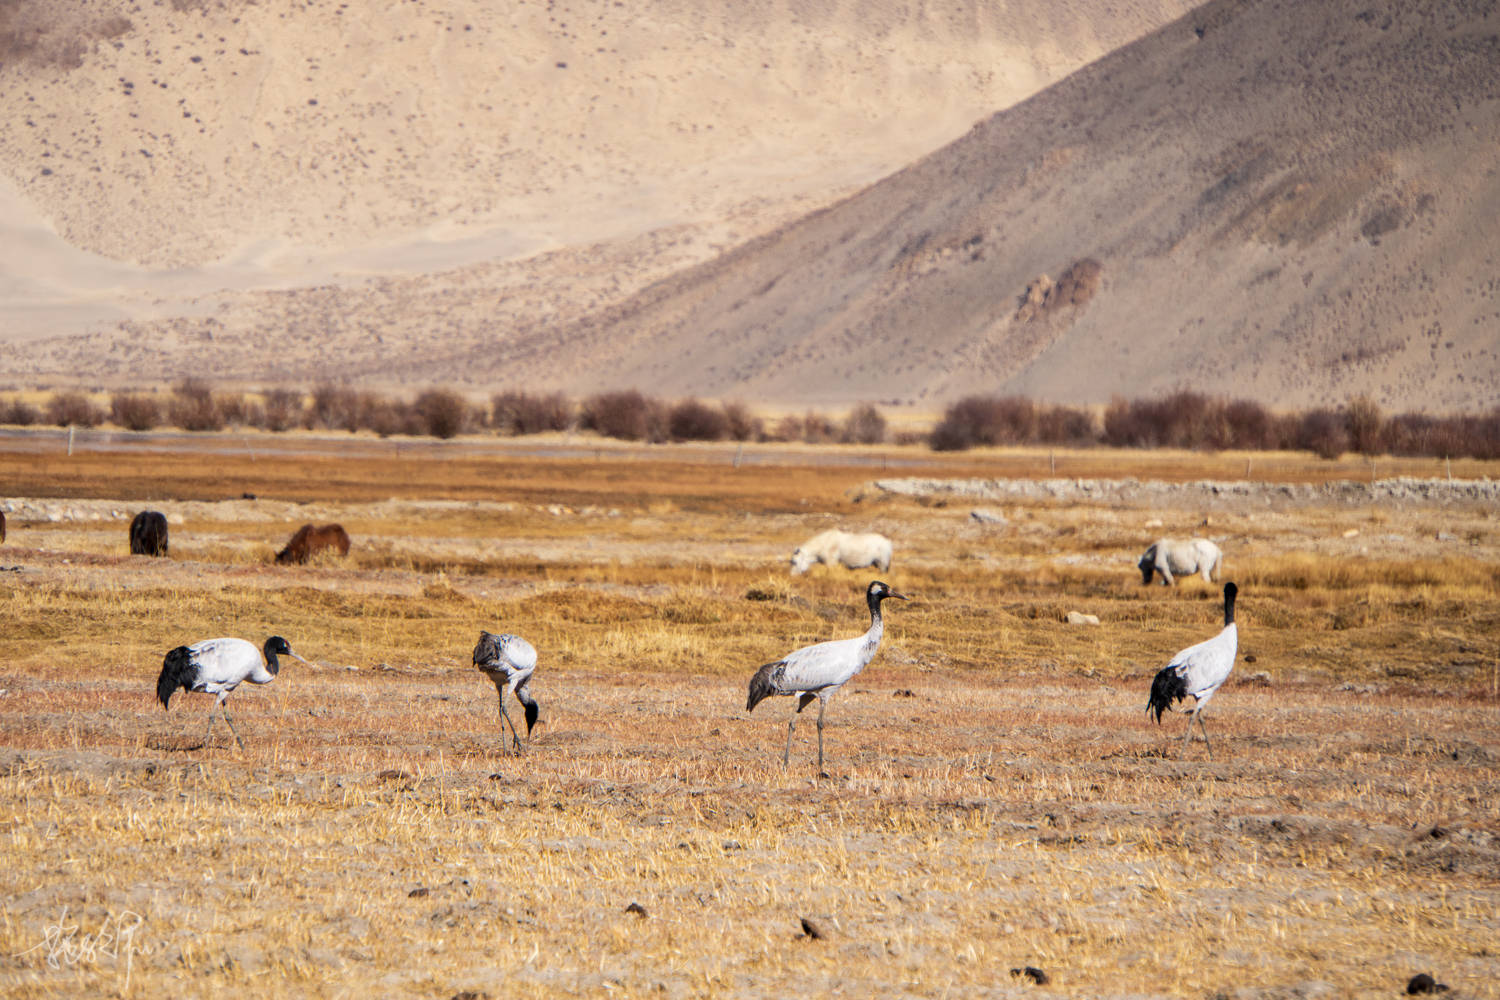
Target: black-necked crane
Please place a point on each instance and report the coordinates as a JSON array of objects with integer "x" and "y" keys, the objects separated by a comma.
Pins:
[
  {"x": 818, "y": 671},
  {"x": 218, "y": 666},
  {"x": 1198, "y": 671},
  {"x": 509, "y": 661}
]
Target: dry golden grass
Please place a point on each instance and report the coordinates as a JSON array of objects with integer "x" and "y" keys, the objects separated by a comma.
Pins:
[{"x": 998, "y": 797}]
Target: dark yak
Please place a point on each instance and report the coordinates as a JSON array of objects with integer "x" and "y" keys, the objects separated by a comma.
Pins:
[
  {"x": 312, "y": 539},
  {"x": 148, "y": 534}
]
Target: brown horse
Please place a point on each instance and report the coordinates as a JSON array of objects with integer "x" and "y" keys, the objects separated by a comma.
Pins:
[
  {"x": 148, "y": 534},
  {"x": 312, "y": 539}
]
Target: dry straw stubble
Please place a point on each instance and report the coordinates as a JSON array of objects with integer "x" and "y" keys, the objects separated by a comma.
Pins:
[{"x": 1012, "y": 807}]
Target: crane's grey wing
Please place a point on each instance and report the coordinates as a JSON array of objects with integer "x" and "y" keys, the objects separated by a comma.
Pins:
[
  {"x": 1206, "y": 664},
  {"x": 506, "y": 651},
  {"x": 826, "y": 664},
  {"x": 221, "y": 664},
  {"x": 225, "y": 648},
  {"x": 520, "y": 653}
]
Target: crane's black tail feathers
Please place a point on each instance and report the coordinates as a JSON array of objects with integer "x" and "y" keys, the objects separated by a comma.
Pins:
[
  {"x": 1167, "y": 687},
  {"x": 176, "y": 672},
  {"x": 488, "y": 652},
  {"x": 765, "y": 683}
]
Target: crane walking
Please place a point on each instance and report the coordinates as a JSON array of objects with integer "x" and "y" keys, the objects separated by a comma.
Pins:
[
  {"x": 218, "y": 666},
  {"x": 509, "y": 661},
  {"x": 1198, "y": 671},
  {"x": 818, "y": 671}
]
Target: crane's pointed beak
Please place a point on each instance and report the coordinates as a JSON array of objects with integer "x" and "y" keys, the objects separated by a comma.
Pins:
[{"x": 898, "y": 596}]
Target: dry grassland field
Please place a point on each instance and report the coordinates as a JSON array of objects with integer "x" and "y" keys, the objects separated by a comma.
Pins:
[{"x": 996, "y": 796}]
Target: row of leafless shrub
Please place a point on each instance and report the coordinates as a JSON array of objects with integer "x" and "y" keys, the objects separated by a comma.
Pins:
[
  {"x": 1195, "y": 421},
  {"x": 1002, "y": 420},
  {"x": 1182, "y": 420},
  {"x": 194, "y": 405},
  {"x": 633, "y": 416}
]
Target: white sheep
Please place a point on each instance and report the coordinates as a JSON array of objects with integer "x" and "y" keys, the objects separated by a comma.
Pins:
[
  {"x": 1167, "y": 556},
  {"x": 840, "y": 548}
]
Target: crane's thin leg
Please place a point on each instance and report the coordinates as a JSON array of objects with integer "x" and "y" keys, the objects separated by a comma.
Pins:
[
  {"x": 210, "y": 728},
  {"x": 802, "y": 702},
  {"x": 225, "y": 710},
  {"x": 1205, "y": 735},
  {"x": 505, "y": 721},
  {"x": 1187, "y": 736},
  {"x": 515, "y": 737},
  {"x": 822, "y": 705}
]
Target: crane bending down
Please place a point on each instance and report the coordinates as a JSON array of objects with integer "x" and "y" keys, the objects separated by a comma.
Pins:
[
  {"x": 1198, "y": 671},
  {"x": 218, "y": 666},
  {"x": 509, "y": 661},
  {"x": 818, "y": 671}
]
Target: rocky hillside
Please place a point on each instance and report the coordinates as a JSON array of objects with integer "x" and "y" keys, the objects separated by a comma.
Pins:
[
  {"x": 1290, "y": 202},
  {"x": 247, "y": 188}
]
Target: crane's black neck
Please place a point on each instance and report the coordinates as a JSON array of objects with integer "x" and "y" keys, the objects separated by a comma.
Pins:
[
  {"x": 1230, "y": 591},
  {"x": 533, "y": 710},
  {"x": 873, "y": 598}
]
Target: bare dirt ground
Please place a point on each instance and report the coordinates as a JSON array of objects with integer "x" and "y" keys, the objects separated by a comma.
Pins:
[{"x": 997, "y": 798}]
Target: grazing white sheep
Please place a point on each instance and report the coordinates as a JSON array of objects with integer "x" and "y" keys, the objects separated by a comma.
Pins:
[
  {"x": 840, "y": 548},
  {"x": 1169, "y": 556}
]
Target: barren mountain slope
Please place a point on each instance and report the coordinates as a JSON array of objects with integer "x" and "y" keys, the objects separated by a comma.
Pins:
[
  {"x": 169, "y": 160},
  {"x": 1289, "y": 202}
]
